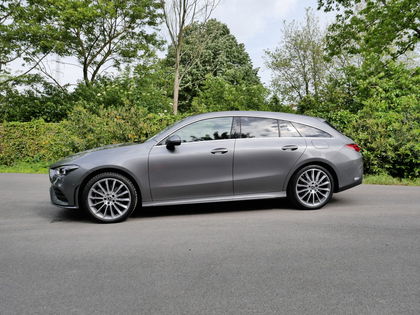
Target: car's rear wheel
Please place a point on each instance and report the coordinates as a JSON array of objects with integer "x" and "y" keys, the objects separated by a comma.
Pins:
[
  {"x": 109, "y": 197},
  {"x": 311, "y": 187}
]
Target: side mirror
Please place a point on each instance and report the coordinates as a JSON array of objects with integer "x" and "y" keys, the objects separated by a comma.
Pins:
[{"x": 173, "y": 141}]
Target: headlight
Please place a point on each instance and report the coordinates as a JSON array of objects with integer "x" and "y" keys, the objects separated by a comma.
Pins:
[{"x": 61, "y": 171}]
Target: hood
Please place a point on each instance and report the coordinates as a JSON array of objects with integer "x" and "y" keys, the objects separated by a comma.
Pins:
[{"x": 72, "y": 158}]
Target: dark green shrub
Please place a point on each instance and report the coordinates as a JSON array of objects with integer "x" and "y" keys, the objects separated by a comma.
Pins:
[
  {"x": 114, "y": 125},
  {"x": 50, "y": 104},
  {"x": 35, "y": 141}
]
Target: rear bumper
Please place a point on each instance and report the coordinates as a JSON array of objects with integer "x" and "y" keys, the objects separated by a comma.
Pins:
[
  {"x": 350, "y": 173},
  {"x": 357, "y": 182}
]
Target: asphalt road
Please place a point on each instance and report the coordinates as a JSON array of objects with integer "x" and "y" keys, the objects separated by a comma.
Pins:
[{"x": 358, "y": 255}]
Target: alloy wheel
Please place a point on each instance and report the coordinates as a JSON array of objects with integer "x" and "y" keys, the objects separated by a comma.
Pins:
[
  {"x": 109, "y": 199},
  {"x": 313, "y": 187}
]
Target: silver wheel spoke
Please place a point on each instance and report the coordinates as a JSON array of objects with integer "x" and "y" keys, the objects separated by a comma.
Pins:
[
  {"x": 100, "y": 186},
  {"x": 98, "y": 192},
  {"x": 100, "y": 208}
]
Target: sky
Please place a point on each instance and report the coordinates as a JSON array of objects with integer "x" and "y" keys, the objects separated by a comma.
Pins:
[
  {"x": 258, "y": 24},
  {"x": 255, "y": 23}
]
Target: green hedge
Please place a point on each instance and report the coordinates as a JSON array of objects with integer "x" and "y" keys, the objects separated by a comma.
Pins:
[
  {"x": 39, "y": 141},
  {"x": 35, "y": 141}
]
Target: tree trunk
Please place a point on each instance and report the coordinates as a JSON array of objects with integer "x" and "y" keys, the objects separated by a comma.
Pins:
[
  {"x": 86, "y": 74},
  {"x": 176, "y": 81}
]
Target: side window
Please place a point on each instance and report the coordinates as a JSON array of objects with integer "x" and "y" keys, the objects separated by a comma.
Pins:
[
  {"x": 287, "y": 129},
  {"x": 311, "y": 132},
  {"x": 205, "y": 130},
  {"x": 253, "y": 127}
]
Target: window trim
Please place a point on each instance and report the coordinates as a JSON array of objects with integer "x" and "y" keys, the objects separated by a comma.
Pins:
[
  {"x": 162, "y": 142},
  {"x": 288, "y": 121}
]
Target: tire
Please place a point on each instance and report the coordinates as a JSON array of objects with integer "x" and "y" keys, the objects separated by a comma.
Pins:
[
  {"x": 311, "y": 187},
  {"x": 109, "y": 197}
]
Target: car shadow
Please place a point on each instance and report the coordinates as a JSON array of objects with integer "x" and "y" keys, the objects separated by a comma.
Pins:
[
  {"x": 216, "y": 207},
  {"x": 76, "y": 215}
]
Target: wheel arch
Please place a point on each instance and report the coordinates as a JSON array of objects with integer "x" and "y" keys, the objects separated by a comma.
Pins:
[
  {"x": 106, "y": 169},
  {"x": 322, "y": 163}
]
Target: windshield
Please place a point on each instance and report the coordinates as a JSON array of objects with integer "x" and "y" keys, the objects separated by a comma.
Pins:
[{"x": 164, "y": 130}]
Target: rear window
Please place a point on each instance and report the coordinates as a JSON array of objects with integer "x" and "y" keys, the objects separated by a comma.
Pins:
[
  {"x": 311, "y": 132},
  {"x": 253, "y": 127},
  {"x": 287, "y": 129}
]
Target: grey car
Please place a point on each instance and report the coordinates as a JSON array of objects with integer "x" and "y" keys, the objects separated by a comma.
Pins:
[{"x": 212, "y": 157}]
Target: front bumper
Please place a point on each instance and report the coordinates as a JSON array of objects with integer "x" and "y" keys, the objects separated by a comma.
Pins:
[
  {"x": 59, "y": 199},
  {"x": 64, "y": 190}
]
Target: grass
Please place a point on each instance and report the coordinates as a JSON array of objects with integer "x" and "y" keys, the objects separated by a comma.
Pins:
[
  {"x": 382, "y": 179},
  {"x": 24, "y": 167}
]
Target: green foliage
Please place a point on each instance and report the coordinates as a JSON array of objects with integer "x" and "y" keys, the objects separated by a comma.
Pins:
[
  {"x": 379, "y": 108},
  {"x": 26, "y": 167},
  {"x": 219, "y": 94},
  {"x": 35, "y": 141},
  {"x": 373, "y": 26},
  {"x": 210, "y": 49},
  {"x": 383, "y": 179},
  {"x": 98, "y": 34},
  {"x": 298, "y": 65},
  {"x": 146, "y": 87},
  {"x": 113, "y": 125},
  {"x": 48, "y": 102},
  {"x": 38, "y": 141},
  {"x": 13, "y": 41}
]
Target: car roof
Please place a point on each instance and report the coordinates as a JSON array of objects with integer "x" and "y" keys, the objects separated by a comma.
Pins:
[{"x": 263, "y": 114}]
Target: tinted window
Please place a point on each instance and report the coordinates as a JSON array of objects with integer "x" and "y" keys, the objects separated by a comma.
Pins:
[
  {"x": 312, "y": 132},
  {"x": 287, "y": 129},
  {"x": 252, "y": 127},
  {"x": 204, "y": 130}
]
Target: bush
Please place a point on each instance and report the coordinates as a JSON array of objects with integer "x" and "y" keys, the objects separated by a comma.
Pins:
[
  {"x": 113, "y": 125},
  {"x": 50, "y": 104},
  {"x": 35, "y": 141},
  {"x": 378, "y": 106},
  {"x": 38, "y": 141}
]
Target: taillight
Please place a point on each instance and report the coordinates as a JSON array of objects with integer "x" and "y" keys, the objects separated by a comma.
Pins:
[{"x": 353, "y": 146}]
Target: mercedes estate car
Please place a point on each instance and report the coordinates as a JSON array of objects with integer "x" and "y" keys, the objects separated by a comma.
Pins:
[{"x": 212, "y": 157}]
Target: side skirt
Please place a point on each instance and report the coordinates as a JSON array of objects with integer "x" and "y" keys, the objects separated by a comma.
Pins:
[{"x": 215, "y": 199}]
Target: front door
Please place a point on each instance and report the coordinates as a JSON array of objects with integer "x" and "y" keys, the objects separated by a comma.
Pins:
[{"x": 200, "y": 167}]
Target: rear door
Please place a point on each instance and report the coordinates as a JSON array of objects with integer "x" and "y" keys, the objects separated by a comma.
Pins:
[{"x": 265, "y": 151}]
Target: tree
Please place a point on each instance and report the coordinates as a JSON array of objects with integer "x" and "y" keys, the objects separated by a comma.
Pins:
[
  {"x": 15, "y": 45},
  {"x": 220, "y": 56},
  {"x": 99, "y": 33},
  {"x": 298, "y": 63},
  {"x": 377, "y": 105},
  {"x": 373, "y": 26},
  {"x": 178, "y": 15},
  {"x": 218, "y": 94}
]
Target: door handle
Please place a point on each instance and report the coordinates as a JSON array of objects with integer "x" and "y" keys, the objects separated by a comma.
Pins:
[
  {"x": 219, "y": 150},
  {"x": 290, "y": 147}
]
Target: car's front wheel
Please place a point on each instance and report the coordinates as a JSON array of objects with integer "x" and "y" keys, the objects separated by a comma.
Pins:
[
  {"x": 109, "y": 197},
  {"x": 311, "y": 187}
]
